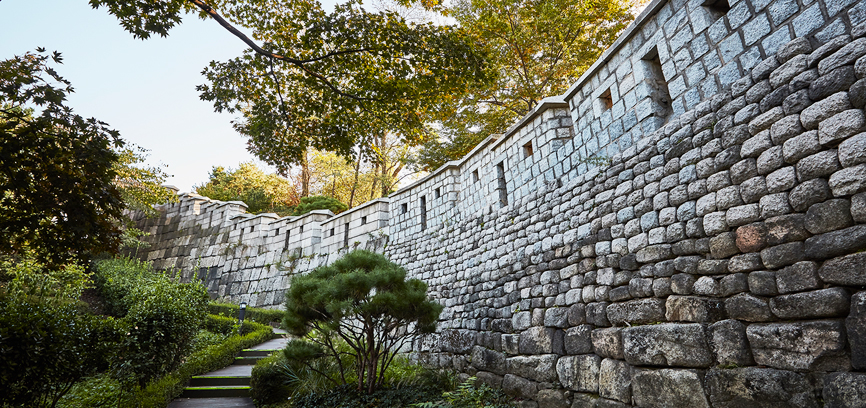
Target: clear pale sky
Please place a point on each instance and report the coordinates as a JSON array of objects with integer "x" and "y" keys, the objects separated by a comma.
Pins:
[{"x": 144, "y": 89}]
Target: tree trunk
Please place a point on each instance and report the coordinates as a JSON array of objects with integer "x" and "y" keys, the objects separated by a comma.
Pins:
[
  {"x": 355, "y": 182},
  {"x": 305, "y": 176}
]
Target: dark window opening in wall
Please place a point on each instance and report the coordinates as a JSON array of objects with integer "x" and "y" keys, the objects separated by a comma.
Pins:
[
  {"x": 423, "y": 205},
  {"x": 717, "y": 8},
  {"x": 475, "y": 177},
  {"x": 527, "y": 149},
  {"x": 655, "y": 78},
  {"x": 331, "y": 232},
  {"x": 277, "y": 233},
  {"x": 501, "y": 187},
  {"x": 253, "y": 228},
  {"x": 346, "y": 235},
  {"x": 606, "y": 100},
  {"x": 302, "y": 229},
  {"x": 286, "y": 242},
  {"x": 404, "y": 208},
  {"x": 437, "y": 193},
  {"x": 363, "y": 220}
]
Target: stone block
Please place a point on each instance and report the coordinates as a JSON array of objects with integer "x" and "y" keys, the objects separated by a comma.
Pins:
[
  {"x": 748, "y": 308},
  {"x": 781, "y": 255},
  {"x": 770, "y": 160},
  {"x": 843, "y": 390},
  {"x": 733, "y": 284},
  {"x": 541, "y": 368},
  {"x": 682, "y": 284},
  {"x": 839, "y": 79},
  {"x": 841, "y": 126},
  {"x": 639, "y": 311},
  {"x": 801, "y": 146},
  {"x": 844, "y": 56},
  {"x": 832, "y": 302},
  {"x": 782, "y": 179},
  {"x": 856, "y": 325},
  {"x": 723, "y": 245},
  {"x": 813, "y": 115},
  {"x": 793, "y": 48},
  {"x": 759, "y": 388},
  {"x": 552, "y": 398},
  {"x": 667, "y": 344},
  {"x": 457, "y": 341},
  {"x": 669, "y": 388},
  {"x": 857, "y": 94},
  {"x": 765, "y": 120},
  {"x": 774, "y": 205},
  {"x": 485, "y": 359},
  {"x": 853, "y": 151},
  {"x": 796, "y": 102},
  {"x": 579, "y": 373},
  {"x": 848, "y": 270},
  {"x": 836, "y": 243},
  {"x": 596, "y": 313},
  {"x": 607, "y": 342},
  {"x": 521, "y": 320},
  {"x": 578, "y": 340},
  {"x": 541, "y": 340},
  {"x": 519, "y": 387},
  {"x": 694, "y": 309},
  {"x": 492, "y": 380},
  {"x": 752, "y": 237},
  {"x": 556, "y": 317},
  {"x": 808, "y": 193},
  {"x": 797, "y": 277},
  {"x": 785, "y": 128},
  {"x": 577, "y": 314},
  {"x": 848, "y": 181},
  {"x": 614, "y": 380},
  {"x": 821, "y": 164},
  {"x": 829, "y": 216},
  {"x": 800, "y": 346},
  {"x": 729, "y": 343}
]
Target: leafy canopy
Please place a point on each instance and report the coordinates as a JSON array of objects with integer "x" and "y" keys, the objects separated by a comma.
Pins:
[
  {"x": 308, "y": 204},
  {"x": 261, "y": 192},
  {"x": 536, "y": 49},
  {"x": 57, "y": 170},
  {"x": 317, "y": 79},
  {"x": 364, "y": 301}
]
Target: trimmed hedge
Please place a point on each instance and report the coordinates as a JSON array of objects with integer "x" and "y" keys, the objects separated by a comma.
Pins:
[
  {"x": 160, "y": 392},
  {"x": 263, "y": 316}
]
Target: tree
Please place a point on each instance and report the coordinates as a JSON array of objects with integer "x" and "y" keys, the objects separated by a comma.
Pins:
[
  {"x": 364, "y": 300},
  {"x": 308, "y": 204},
  {"x": 537, "y": 48},
  {"x": 317, "y": 79},
  {"x": 57, "y": 170},
  {"x": 260, "y": 191},
  {"x": 140, "y": 186}
]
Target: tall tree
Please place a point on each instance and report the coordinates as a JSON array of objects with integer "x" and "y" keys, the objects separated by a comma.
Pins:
[
  {"x": 140, "y": 185},
  {"x": 58, "y": 199},
  {"x": 317, "y": 79},
  {"x": 537, "y": 48},
  {"x": 261, "y": 192}
]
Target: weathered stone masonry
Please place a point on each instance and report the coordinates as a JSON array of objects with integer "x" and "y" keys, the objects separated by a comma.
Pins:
[{"x": 684, "y": 227}]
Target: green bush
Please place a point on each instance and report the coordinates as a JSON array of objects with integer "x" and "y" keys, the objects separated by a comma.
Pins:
[
  {"x": 470, "y": 395},
  {"x": 105, "y": 391},
  {"x": 258, "y": 315},
  {"x": 311, "y": 203},
  {"x": 47, "y": 346},
  {"x": 347, "y": 396},
  {"x": 117, "y": 278},
  {"x": 162, "y": 320}
]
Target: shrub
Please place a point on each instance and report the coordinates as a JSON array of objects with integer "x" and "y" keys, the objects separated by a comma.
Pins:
[
  {"x": 311, "y": 203},
  {"x": 365, "y": 300},
  {"x": 116, "y": 278},
  {"x": 470, "y": 395},
  {"x": 45, "y": 347},
  {"x": 347, "y": 396},
  {"x": 162, "y": 321},
  {"x": 258, "y": 315}
]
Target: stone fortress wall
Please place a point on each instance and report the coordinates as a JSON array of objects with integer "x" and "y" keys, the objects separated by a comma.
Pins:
[{"x": 685, "y": 227}]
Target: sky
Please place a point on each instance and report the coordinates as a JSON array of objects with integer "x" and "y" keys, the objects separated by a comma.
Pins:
[{"x": 143, "y": 89}]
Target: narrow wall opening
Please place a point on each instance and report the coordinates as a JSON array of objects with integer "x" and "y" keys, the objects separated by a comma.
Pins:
[
  {"x": 423, "y": 205},
  {"x": 717, "y": 8},
  {"x": 605, "y": 100},
  {"x": 527, "y": 150},
  {"x": 655, "y": 78},
  {"x": 346, "y": 235},
  {"x": 501, "y": 186}
]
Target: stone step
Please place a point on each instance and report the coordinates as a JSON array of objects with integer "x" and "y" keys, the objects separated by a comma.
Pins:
[
  {"x": 256, "y": 353},
  {"x": 218, "y": 381},
  {"x": 248, "y": 360},
  {"x": 226, "y": 391}
]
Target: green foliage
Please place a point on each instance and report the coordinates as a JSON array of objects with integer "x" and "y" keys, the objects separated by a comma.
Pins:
[
  {"x": 470, "y": 395},
  {"x": 162, "y": 323},
  {"x": 366, "y": 301},
  {"x": 346, "y": 396},
  {"x": 308, "y": 204},
  {"x": 45, "y": 347},
  {"x": 261, "y": 192},
  {"x": 141, "y": 186},
  {"x": 25, "y": 276},
  {"x": 255, "y": 314},
  {"x": 57, "y": 193},
  {"x": 106, "y": 391},
  {"x": 536, "y": 49},
  {"x": 116, "y": 278}
]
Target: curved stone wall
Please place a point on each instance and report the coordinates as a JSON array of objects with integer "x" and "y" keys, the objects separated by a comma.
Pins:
[{"x": 684, "y": 227}]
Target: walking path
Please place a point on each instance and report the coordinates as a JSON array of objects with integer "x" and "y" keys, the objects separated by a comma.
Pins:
[{"x": 229, "y": 386}]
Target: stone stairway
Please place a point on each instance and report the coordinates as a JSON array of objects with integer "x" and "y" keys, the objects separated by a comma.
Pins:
[{"x": 228, "y": 386}]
